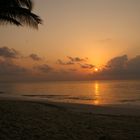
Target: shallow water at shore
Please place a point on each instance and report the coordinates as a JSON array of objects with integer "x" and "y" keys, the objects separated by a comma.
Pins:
[{"x": 85, "y": 92}]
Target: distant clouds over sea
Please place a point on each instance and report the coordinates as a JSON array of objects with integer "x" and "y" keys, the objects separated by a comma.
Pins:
[{"x": 15, "y": 66}]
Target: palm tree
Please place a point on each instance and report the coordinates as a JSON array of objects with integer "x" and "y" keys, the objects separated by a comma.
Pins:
[{"x": 18, "y": 12}]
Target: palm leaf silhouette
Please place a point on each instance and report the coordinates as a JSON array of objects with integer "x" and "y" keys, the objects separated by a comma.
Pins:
[{"x": 18, "y": 12}]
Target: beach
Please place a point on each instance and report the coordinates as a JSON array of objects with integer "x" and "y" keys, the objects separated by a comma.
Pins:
[
  {"x": 76, "y": 76},
  {"x": 22, "y": 119}
]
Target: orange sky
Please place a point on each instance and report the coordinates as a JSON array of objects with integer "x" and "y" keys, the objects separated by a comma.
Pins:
[{"x": 96, "y": 29}]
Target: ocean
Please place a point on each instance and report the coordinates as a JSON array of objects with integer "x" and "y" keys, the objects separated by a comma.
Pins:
[{"x": 113, "y": 92}]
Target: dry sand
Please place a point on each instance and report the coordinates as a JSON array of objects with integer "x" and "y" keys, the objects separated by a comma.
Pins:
[{"x": 43, "y": 120}]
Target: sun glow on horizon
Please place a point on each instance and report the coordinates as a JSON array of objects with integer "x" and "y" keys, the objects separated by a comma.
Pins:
[{"x": 96, "y": 69}]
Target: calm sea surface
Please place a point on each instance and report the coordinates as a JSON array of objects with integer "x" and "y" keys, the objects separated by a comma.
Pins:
[{"x": 86, "y": 92}]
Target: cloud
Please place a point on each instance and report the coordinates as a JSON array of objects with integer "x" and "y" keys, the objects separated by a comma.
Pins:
[
  {"x": 77, "y": 59},
  {"x": 35, "y": 57},
  {"x": 9, "y": 68},
  {"x": 44, "y": 68},
  {"x": 133, "y": 65},
  {"x": 59, "y": 61},
  {"x": 117, "y": 62},
  {"x": 8, "y": 53},
  {"x": 120, "y": 68},
  {"x": 87, "y": 66},
  {"x": 72, "y": 61}
]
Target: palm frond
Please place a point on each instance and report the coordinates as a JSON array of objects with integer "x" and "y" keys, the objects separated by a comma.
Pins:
[
  {"x": 26, "y": 3},
  {"x": 16, "y": 3},
  {"x": 22, "y": 15},
  {"x": 6, "y": 20},
  {"x": 18, "y": 12}
]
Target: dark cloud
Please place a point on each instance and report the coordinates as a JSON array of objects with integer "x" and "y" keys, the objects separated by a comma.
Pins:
[
  {"x": 120, "y": 68},
  {"x": 72, "y": 60},
  {"x": 133, "y": 65},
  {"x": 9, "y": 68},
  {"x": 35, "y": 57},
  {"x": 44, "y": 68},
  {"x": 117, "y": 62},
  {"x": 8, "y": 53},
  {"x": 87, "y": 66},
  {"x": 76, "y": 59},
  {"x": 59, "y": 61}
]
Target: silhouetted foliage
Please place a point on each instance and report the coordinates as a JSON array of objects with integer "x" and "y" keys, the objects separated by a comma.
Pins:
[{"x": 18, "y": 12}]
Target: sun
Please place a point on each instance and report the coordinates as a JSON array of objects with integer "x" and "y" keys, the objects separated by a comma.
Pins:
[{"x": 96, "y": 69}]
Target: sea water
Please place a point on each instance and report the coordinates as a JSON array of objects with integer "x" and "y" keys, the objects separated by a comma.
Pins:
[{"x": 109, "y": 92}]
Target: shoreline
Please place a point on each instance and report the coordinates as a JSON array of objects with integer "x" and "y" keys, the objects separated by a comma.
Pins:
[{"x": 127, "y": 110}]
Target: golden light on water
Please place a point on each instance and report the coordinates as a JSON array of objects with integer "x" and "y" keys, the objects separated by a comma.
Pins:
[
  {"x": 96, "y": 88},
  {"x": 96, "y": 93}
]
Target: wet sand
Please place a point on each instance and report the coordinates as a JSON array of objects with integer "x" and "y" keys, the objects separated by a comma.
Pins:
[{"x": 22, "y": 119}]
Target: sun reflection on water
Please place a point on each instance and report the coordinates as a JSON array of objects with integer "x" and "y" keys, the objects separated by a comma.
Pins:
[{"x": 96, "y": 93}]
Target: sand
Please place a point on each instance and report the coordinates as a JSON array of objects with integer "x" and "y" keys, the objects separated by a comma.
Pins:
[{"x": 44, "y": 120}]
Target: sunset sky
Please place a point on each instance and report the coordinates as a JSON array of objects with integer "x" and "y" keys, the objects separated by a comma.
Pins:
[{"x": 78, "y": 38}]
